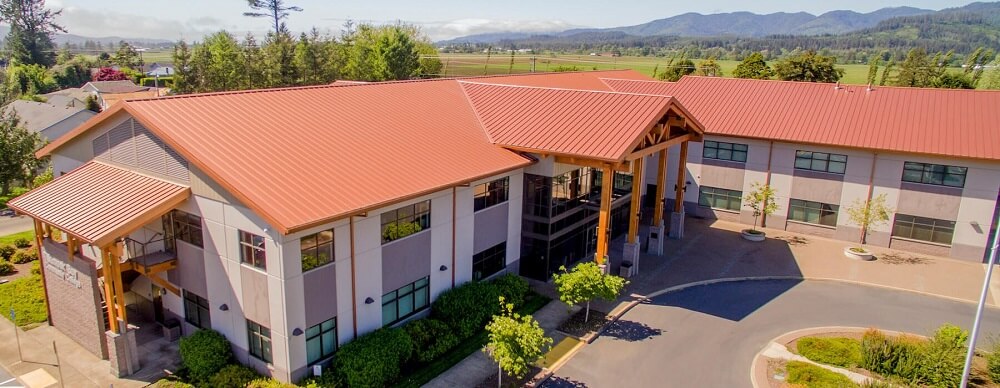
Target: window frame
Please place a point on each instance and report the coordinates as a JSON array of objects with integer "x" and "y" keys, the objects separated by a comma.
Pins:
[
  {"x": 717, "y": 148},
  {"x": 418, "y": 214},
  {"x": 492, "y": 193},
  {"x": 411, "y": 290},
  {"x": 910, "y": 222},
  {"x": 495, "y": 252},
  {"x": 722, "y": 193},
  {"x": 178, "y": 225},
  {"x": 809, "y": 207},
  {"x": 319, "y": 334},
  {"x": 250, "y": 246},
  {"x": 319, "y": 247},
  {"x": 260, "y": 336},
  {"x": 200, "y": 305},
  {"x": 810, "y": 156},
  {"x": 928, "y": 174}
]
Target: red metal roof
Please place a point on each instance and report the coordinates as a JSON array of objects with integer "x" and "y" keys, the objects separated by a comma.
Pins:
[
  {"x": 956, "y": 123},
  {"x": 591, "y": 124},
  {"x": 98, "y": 202}
]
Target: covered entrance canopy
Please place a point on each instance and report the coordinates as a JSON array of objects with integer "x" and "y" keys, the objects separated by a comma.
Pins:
[
  {"x": 605, "y": 130},
  {"x": 101, "y": 204}
]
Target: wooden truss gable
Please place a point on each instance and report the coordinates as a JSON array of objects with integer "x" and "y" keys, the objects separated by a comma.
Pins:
[{"x": 675, "y": 127}]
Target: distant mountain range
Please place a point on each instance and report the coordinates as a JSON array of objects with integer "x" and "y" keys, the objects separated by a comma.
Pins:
[
  {"x": 735, "y": 24},
  {"x": 59, "y": 39}
]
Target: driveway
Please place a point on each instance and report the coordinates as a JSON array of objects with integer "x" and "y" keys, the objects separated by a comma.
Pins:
[
  {"x": 11, "y": 225},
  {"x": 707, "y": 336}
]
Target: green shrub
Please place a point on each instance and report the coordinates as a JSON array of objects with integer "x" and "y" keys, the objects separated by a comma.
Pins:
[
  {"x": 233, "y": 375},
  {"x": 268, "y": 382},
  {"x": 513, "y": 288},
  {"x": 373, "y": 360},
  {"x": 812, "y": 376},
  {"x": 844, "y": 352},
  {"x": 205, "y": 353},
  {"x": 892, "y": 356},
  {"x": 993, "y": 362},
  {"x": 22, "y": 242},
  {"x": 944, "y": 357},
  {"x": 36, "y": 268},
  {"x": 327, "y": 380},
  {"x": 6, "y": 251},
  {"x": 167, "y": 383},
  {"x": 24, "y": 256},
  {"x": 431, "y": 338},
  {"x": 6, "y": 268},
  {"x": 467, "y": 308}
]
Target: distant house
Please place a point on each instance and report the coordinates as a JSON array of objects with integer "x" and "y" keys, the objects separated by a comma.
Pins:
[
  {"x": 66, "y": 100},
  {"x": 49, "y": 120},
  {"x": 66, "y": 95},
  {"x": 109, "y": 92},
  {"x": 157, "y": 70}
]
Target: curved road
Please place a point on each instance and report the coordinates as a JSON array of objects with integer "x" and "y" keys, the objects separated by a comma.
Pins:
[{"x": 707, "y": 336}]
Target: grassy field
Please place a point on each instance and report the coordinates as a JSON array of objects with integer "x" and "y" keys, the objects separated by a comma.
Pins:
[{"x": 10, "y": 238}]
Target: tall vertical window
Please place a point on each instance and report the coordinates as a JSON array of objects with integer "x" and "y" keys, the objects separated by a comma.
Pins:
[
  {"x": 717, "y": 198},
  {"x": 407, "y": 300},
  {"x": 812, "y": 212},
  {"x": 196, "y": 310},
  {"x": 821, "y": 161},
  {"x": 934, "y": 174},
  {"x": 252, "y": 250},
  {"x": 491, "y": 193},
  {"x": 321, "y": 341},
  {"x": 317, "y": 249},
  {"x": 489, "y": 261},
  {"x": 724, "y": 151},
  {"x": 405, "y": 221},
  {"x": 182, "y": 226},
  {"x": 259, "y": 338},
  {"x": 923, "y": 229}
]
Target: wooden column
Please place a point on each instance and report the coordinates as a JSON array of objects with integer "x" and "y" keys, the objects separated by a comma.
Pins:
[
  {"x": 41, "y": 264},
  {"x": 116, "y": 255},
  {"x": 681, "y": 178},
  {"x": 604, "y": 218},
  {"x": 661, "y": 180},
  {"x": 109, "y": 294},
  {"x": 636, "y": 204}
]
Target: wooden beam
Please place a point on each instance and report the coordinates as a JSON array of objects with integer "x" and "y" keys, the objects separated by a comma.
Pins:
[
  {"x": 41, "y": 264},
  {"x": 165, "y": 284},
  {"x": 681, "y": 178},
  {"x": 621, "y": 167},
  {"x": 116, "y": 273},
  {"x": 633, "y": 216},
  {"x": 71, "y": 247},
  {"x": 676, "y": 121},
  {"x": 642, "y": 152},
  {"x": 661, "y": 172},
  {"x": 156, "y": 268},
  {"x": 604, "y": 218},
  {"x": 109, "y": 295}
]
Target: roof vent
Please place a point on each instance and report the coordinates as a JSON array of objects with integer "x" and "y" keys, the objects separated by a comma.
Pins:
[
  {"x": 870, "y": 88},
  {"x": 837, "y": 87}
]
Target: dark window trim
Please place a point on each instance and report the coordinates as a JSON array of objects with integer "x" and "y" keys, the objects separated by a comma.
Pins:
[
  {"x": 907, "y": 222},
  {"x": 719, "y": 192},
  {"x": 426, "y": 289},
  {"x": 178, "y": 227},
  {"x": 807, "y": 206},
  {"x": 407, "y": 220},
  {"x": 492, "y": 193},
  {"x": 495, "y": 252},
  {"x": 249, "y": 244},
  {"x": 328, "y": 246},
  {"x": 733, "y": 149},
  {"x": 811, "y": 157},
  {"x": 261, "y": 336},
  {"x": 927, "y": 174},
  {"x": 319, "y": 335},
  {"x": 200, "y": 305}
]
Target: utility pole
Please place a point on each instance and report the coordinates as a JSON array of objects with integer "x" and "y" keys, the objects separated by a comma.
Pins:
[
  {"x": 533, "y": 58},
  {"x": 979, "y": 309}
]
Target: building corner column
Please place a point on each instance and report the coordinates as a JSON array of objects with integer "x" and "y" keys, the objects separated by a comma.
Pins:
[{"x": 677, "y": 217}]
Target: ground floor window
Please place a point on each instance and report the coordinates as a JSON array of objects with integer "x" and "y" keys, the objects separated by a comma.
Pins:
[
  {"x": 717, "y": 198},
  {"x": 813, "y": 212},
  {"x": 259, "y": 337},
  {"x": 923, "y": 229},
  {"x": 489, "y": 261},
  {"x": 196, "y": 310},
  {"x": 321, "y": 340},
  {"x": 407, "y": 300}
]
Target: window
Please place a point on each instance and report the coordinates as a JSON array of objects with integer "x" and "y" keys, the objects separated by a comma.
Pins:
[
  {"x": 724, "y": 151},
  {"x": 317, "y": 249},
  {"x": 321, "y": 341},
  {"x": 182, "y": 226},
  {"x": 934, "y": 174},
  {"x": 489, "y": 261},
  {"x": 405, "y": 221},
  {"x": 720, "y": 198},
  {"x": 491, "y": 193},
  {"x": 821, "y": 161},
  {"x": 923, "y": 229},
  {"x": 406, "y": 301},
  {"x": 252, "y": 250},
  {"x": 812, "y": 212},
  {"x": 259, "y": 338},
  {"x": 196, "y": 310}
]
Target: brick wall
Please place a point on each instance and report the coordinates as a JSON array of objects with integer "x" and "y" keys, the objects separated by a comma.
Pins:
[{"x": 74, "y": 297}]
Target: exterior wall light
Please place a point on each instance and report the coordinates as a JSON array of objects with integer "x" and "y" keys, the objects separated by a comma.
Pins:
[
  {"x": 297, "y": 332},
  {"x": 224, "y": 307},
  {"x": 443, "y": 268},
  {"x": 369, "y": 300}
]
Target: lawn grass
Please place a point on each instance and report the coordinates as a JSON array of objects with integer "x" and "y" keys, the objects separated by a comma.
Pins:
[
  {"x": 27, "y": 297},
  {"x": 474, "y": 344},
  {"x": 811, "y": 376},
  {"x": 9, "y": 239},
  {"x": 842, "y": 352}
]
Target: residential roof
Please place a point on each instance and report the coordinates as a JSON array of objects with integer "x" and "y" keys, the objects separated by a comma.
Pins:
[
  {"x": 80, "y": 203},
  {"x": 944, "y": 122},
  {"x": 37, "y": 116},
  {"x": 125, "y": 86},
  {"x": 64, "y": 100},
  {"x": 592, "y": 124},
  {"x": 113, "y": 98},
  {"x": 77, "y": 93}
]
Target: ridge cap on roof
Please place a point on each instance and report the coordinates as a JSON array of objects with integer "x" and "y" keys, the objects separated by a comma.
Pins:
[
  {"x": 831, "y": 84},
  {"x": 563, "y": 89}
]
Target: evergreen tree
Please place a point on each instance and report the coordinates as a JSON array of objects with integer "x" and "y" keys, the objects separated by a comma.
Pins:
[
  {"x": 226, "y": 64},
  {"x": 29, "y": 41},
  {"x": 126, "y": 56},
  {"x": 185, "y": 79},
  {"x": 873, "y": 64},
  {"x": 254, "y": 66},
  {"x": 272, "y": 9},
  {"x": 279, "y": 60},
  {"x": 753, "y": 66}
]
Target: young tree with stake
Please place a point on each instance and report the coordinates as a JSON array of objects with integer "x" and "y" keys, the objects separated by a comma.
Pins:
[
  {"x": 516, "y": 341},
  {"x": 761, "y": 201},
  {"x": 869, "y": 214},
  {"x": 585, "y": 283}
]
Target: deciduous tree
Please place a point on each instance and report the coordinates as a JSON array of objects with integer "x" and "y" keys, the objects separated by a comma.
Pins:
[
  {"x": 869, "y": 214},
  {"x": 31, "y": 24},
  {"x": 761, "y": 200},
  {"x": 381, "y": 54},
  {"x": 709, "y": 68},
  {"x": 109, "y": 74},
  {"x": 754, "y": 67},
  {"x": 808, "y": 67},
  {"x": 17, "y": 150},
  {"x": 585, "y": 283},
  {"x": 515, "y": 341}
]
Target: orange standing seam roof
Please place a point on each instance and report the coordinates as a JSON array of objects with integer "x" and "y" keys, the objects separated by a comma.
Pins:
[
  {"x": 98, "y": 202},
  {"x": 943, "y": 122}
]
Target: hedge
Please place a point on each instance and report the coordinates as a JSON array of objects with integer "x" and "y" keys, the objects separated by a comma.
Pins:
[
  {"x": 233, "y": 375},
  {"x": 6, "y": 268},
  {"x": 205, "y": 353},
  {"x": 468, "y": 307},
  {"x": 24, "y": 256},
  {"x": 6, "y": 251},
  {"x": 375, "y": 359},
  {"x": 431, "y": 338},
  {"x": 513, "y": 288}
]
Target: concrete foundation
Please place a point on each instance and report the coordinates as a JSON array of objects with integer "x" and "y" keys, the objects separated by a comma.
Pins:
[
  {"x": 655, "y": 239},
  {"x": 123, "y": 352},
  {"x": 631, "y": 253},
  {"x": 677, "y": 225}
]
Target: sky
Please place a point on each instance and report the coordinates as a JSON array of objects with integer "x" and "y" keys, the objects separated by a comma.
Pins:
[{"x": 440, "y": 19}]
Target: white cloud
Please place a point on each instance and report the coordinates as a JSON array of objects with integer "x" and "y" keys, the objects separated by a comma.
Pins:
[
  {"x": 463, "y": 27},
  {"x": 97, "y": 24}
]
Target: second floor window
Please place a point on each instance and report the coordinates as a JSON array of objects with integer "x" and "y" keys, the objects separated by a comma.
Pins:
[
  {"x": 491, "y": 193},
  {"x": 821, "y": 161},
  {"x": 252, "y": 250},
  {"x": 405, "y": 221},
  {"x": 934, "y": 174},
  {"x": 317, "y": 249},
  {"x": 724, "y": 151},
  {"x": 183, "y": 226}
]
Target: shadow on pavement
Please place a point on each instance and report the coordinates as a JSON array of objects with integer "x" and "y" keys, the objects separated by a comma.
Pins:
[
  {"x": 631, "y": 331},
  {"x": 562, "y": 382},
  {"x": 723, "y": 300}
]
